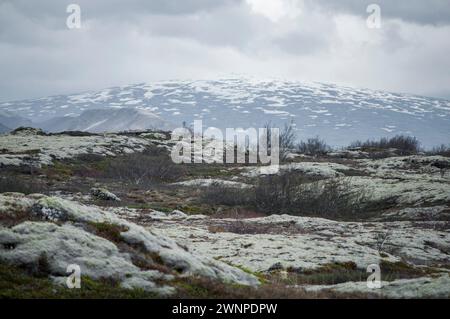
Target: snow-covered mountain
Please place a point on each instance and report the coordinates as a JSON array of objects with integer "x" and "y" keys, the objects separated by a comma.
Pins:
[
  {"x": 11, "y": 120},
  {"x": 4, "y": 129},
  {"x": 107, "y": 120},
  {"x": 337, "y": 114}
]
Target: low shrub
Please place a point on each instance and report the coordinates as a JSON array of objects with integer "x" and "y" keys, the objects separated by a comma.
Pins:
[
  {"x": 286, "y": 139},
  {"x": 19, "y": 184},
  {"x": 109, "y": 231},
  {"x": 442, "y": 150},
  {"x": 294, "y": 194},
  {"x": 404, "y": 145},
  {"x": 17, "y": 283},
  {"x": 328, "y": 274},
  {"x": 142, "y": 169},
  {"x": 278, "y": 194},
  {"x": 249, "y": 228},
  {"x": 327, "y": 199},
  {"x": 203, "y": 288},
  {"x": 218, "y": 194},
  {"x": 314, "y": 147}
]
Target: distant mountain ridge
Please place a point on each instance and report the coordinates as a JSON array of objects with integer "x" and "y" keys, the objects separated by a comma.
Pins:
[
  {"x": 4, "y": 129},
  {"x": 10, "y": 120},
  {"x": 107, "y": 120},
  {"x": 338, "y": 114}
]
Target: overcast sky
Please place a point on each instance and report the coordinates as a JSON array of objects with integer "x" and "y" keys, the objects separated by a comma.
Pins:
[{"x": 123, "y": 42}]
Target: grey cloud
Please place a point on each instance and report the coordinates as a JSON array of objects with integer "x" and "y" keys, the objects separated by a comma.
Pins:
[
  {"x": 210, "y": 21},
  {"x": 311, "y": 35},
  {"x": 230, "y": 26},
  {"x": 117, "y": 8},
  {"x": 433, "y": 12},
  {"x": 125, "y": 42},
  {"x": 301, "y": 43}
]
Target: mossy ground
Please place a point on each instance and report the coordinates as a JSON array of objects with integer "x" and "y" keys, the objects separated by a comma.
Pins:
[
  {"x": 16, "y": 283},
  {"x": 202, "y": 288},
  {"x": 80, "y": 174},
  {"x": 336, "y": 273},
  {"x": 109, "y": 231}
]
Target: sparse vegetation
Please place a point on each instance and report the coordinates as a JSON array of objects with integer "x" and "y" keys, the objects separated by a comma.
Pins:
[
  {"x": 442, "y": 150},
  {"x": 109, "y": 231},
  {"x": 286, "y": 141},
  {"x": 141, "y": 170},
  {"x": 329, "y": 274},
  {"x": 144, "y": 181},
  {"x": 401, "y": 270},
  {"x": 218, "y": 194},
  {"x": 18, "y": 217},
  {"x": 313, "y": 147},
  {"x": 328, "y": 199},
  {"x": 336, "y": 273},
  {"x": 295, "y": 194},
  {"x": 382, "y": 239},
  {"x": 151, "y": 167},
  {"x": 202, "y": 288},
  {"x": 16, "y": 283},
  {"x": 22, "y": 185},
  {"x": 402, "y": 144},
  {"x": 245, "y": 228}
]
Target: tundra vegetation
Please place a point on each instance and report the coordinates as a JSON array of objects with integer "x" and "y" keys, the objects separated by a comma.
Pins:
[{"x": 158, "y": 229}]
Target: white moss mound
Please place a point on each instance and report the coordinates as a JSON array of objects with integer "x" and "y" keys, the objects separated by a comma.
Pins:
[
  {"x": 325, "y": 170},
  {"x": 65, "y": 245},
  {"x": 304, "y": 243},
  {"x": 41, "y": 150},
  {"x": 70, "y": 242},
  {"x": 426, "y": 287},
  {"x": 208, "y": 182}
]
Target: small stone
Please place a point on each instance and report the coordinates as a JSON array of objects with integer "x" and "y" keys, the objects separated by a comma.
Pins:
[
  {"x": 177, "y": 214},
  {"x": 104, "y": 194},
  {"x": 49, "y": 213},
  {"x": 275, "y": 267}
]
